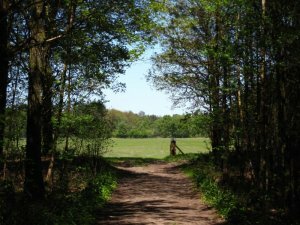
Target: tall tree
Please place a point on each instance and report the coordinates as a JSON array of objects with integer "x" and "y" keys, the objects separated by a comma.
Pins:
[
  {"x": 239, "y": 60},
  {"x": 38, "y": 65},
  {"x": 3, "y": 67},
  {"x": 95, "y": 35}
]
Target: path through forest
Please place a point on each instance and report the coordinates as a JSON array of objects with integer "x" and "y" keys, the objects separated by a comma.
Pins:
[{"x": 158, "y": 193}]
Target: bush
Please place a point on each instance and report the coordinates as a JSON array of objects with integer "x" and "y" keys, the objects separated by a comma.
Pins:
[
  {"x": 65, "y": 208},
  {"x": 99, "y": 188},
  {"x": 223, "y": 200},
  {"x": 202, "y": 171}
]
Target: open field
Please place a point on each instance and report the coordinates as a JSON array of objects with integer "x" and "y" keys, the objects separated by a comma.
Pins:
[{"x": 155, "y": 147}]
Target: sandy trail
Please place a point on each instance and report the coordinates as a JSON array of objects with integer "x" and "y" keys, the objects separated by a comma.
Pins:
[{"x": 158, "y": 193}]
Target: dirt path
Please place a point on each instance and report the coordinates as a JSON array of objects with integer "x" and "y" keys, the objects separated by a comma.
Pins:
[{"x": 156, "y": 194}]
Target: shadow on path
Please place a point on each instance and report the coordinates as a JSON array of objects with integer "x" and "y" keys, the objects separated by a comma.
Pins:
[{"x": 156, "y": 194}]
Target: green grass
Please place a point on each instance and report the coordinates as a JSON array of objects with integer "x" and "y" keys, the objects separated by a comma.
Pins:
[{"x": 156, "y": 148}]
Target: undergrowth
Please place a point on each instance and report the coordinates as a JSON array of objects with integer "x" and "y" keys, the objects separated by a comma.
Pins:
[
  {"x": 72, "y": 207},
  {"x": 238, "y": 205},
  {"x": 206, "y": 178},
  {"x": 201, "y": 170}
]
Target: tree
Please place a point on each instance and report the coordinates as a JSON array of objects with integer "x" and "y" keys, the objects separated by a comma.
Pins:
[
  {"x": 95, "y": 35},
  {"x": 236, "y": 61},
  {"x": 4, "y": 65},
  {"x": 38, "y": 66}
]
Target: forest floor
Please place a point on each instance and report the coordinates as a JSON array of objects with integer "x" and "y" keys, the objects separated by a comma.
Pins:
[{"x": 157, "y": 193}]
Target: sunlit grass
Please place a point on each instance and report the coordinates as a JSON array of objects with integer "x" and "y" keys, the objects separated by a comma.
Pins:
[{"x": 157, "y": 148}]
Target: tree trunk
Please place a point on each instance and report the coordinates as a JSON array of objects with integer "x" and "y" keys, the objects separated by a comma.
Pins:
[
  {"x": 56, "y": 131},
  {"x": 261, "y": 106},
  {"x": 3, "y": 69},
  {"x": 34, "y": 184},
  {"x": 58, "y": 124},
  {"x": 47, "y": 112}
]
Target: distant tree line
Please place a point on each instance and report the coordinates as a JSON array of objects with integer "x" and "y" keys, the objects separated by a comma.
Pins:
[{"x": 131, "y": 125}]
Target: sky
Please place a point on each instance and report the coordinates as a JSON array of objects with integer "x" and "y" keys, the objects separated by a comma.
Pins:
[{"x": 140, "y": 95}]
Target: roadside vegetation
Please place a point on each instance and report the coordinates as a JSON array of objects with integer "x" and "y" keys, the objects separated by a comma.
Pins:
[
  {"x": 238, "y": 61},
  {"x": 75, "y": 193},
  {"x": 238, "y": 201}
]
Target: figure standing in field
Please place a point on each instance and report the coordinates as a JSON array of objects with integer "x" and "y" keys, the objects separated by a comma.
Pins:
[{"x": 173, "y": 147}]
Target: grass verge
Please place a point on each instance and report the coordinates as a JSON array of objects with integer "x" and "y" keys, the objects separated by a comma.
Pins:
[
  {"x": 238, "y": 205},
  {"x": 202, "y": 171}
]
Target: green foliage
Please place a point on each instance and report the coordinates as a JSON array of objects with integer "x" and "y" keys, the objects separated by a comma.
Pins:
[
  {"x": 89, "y": 129},
  {"x": 15, "y": 131},
  {"x": 203, "y": 172},
  {"x": 239, "y": 61},
  {"x": 105, "y": 37},
  {"x": 223, "y": 200},
  {"x": 131, "y": 125},
  {"x": 100, "y": 187},
  {"x": 65, "y": 208},
  {"x": 236, "y": 202}
]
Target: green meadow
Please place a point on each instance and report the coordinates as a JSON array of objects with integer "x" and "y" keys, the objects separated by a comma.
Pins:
[{"x": 157, "y": 148}]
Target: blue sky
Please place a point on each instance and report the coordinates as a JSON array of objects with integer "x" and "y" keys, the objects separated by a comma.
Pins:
[{"x": 139, "y": 94}]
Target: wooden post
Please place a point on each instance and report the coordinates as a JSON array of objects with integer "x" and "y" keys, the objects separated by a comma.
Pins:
[{"x": 173, "y": 147}]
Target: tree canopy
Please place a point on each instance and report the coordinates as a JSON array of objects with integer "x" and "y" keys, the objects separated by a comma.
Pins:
[
  {"x": 238, "y": 61},
  {"x": 62, "y": 53}
]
